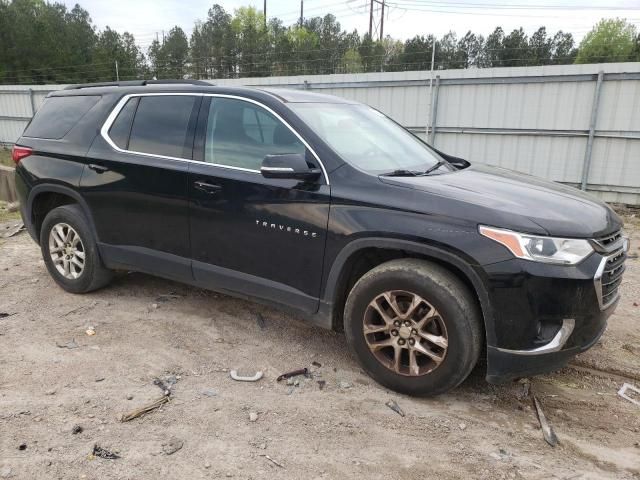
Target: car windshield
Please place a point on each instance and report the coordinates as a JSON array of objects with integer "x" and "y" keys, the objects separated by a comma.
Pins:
[{"x": 369, "y": 140}]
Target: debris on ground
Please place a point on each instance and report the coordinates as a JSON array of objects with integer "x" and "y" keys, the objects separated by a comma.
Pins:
[
  {"x": 344, "y": 385},
  {"x": 260, "y": 321},
  {"x": 81, "y": 308},
  {"x": 166, "y": 384},
  {"x": 316, "y": 364},
  {"x": 99, "y": 379},
  {"x": 321, "y": 384},
  {"x": 13, "y": 230},
  {"x": 234, "y": 375},
  {"x": 393, "y": 405},
  {"x": 172, "y": 446},
  {"x": 100, "y": 452},
  {"x": 22, "y": 446},
  {"x": 501, "y": 455},
  {"x": 77, "y": 429},
  {"x": 5, "y": 315},
  {"x": 165, "y": 297},
  {"x": 294, "y": 373},
  {"x": 145, "y": 409},
  {"x": 70, "y": 345},
  {"x": 547, "y": 431},
  {"x": 209, "y": 392},
  {"x": 253, "y": 416},
  {"x": 623, "y": 393},
  {"x": 526, "y": 387},
  {"x": 90, "y": 331},
  {"x": 278, "y": 464}
]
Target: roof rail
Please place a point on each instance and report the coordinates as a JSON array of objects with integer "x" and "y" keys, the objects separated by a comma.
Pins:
[{"x": 138, "y": 83}]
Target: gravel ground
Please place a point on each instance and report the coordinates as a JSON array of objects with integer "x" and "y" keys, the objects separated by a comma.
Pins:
[{"x": 71, "y": 366}]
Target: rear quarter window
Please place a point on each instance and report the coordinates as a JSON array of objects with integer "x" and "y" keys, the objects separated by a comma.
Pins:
[{"x": 58, "y": 115}]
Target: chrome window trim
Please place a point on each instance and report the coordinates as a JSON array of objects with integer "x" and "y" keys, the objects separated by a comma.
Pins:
[{"x": 104, "y": 131}]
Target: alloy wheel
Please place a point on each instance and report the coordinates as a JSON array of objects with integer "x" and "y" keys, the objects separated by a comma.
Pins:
[
  {"x": 67, "y": 251},
  {"x": 405, "y": 333}
]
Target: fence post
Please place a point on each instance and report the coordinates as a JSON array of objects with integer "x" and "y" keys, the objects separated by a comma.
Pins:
[
  {"x": 586, "y": 166},
  {"x": 434, "y": 111},
  {"x": 33, "y": 102}
]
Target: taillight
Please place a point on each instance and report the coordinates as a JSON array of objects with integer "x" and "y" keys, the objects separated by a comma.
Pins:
[{"x": 18, "y": 153}]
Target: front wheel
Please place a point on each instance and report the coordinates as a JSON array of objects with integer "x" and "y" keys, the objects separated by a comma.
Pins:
[
  {"x": 70, "y": 251},
  {"x": 414, "y": 327}
]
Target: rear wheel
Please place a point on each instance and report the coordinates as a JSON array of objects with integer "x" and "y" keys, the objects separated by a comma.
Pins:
[
  {"x": 70, "y": 251},
  {"x": 414, "y": 327}
]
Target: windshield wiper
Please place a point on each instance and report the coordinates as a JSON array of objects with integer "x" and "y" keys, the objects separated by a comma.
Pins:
[
  {"x": 435, "y": 167},
  {"x": 400, "y": 173}
]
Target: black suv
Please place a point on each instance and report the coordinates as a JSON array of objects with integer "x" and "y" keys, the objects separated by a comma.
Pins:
[{"x": 329, "y": 208}]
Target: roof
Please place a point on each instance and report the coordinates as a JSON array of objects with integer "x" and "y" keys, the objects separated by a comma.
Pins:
[{"x": 195, "y": 86}]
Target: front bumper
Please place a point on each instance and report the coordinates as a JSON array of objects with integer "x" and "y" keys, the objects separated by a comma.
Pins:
[
  {"x": 505, "y": 364},
  {"x": 546, "y": 314}
]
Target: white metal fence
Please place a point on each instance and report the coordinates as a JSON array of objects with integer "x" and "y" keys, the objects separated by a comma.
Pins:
[{"x": 576, "y": 124}]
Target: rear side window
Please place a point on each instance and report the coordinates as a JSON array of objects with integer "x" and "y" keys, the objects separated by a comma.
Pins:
[
  {"x": 121, "y": 128},
  {"x": 161, "y": 125},
  {"x": 58, "y": 115}
]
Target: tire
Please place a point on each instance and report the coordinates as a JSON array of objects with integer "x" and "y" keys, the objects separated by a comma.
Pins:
[
  {"x": 92, "y": 275},
  {"x": 450, "y": 317}
]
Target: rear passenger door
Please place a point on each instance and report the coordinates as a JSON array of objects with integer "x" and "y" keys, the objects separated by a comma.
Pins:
[
  {"x": 136, "y": 183},
  {"x": 249, "y": 234}
]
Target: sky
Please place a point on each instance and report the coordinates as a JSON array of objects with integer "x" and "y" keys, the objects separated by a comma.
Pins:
[{"x": 403, "y": 18}]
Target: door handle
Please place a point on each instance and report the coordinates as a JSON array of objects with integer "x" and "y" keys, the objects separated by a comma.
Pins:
[
  {"x": 98, "y": 168},
  {"x": 209, "y": 188}
]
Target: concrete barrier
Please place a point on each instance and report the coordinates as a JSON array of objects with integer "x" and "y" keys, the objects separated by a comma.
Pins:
[{"x": 7, "y": 184}]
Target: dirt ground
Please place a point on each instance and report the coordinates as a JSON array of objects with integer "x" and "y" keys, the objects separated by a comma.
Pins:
[{"x": 54, "y": 377}]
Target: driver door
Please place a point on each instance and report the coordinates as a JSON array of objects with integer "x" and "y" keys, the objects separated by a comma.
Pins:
[{"x": 251, "y": 235}]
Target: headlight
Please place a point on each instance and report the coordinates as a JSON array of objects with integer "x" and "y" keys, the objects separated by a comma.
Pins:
[{"x": 565, "y": 251}]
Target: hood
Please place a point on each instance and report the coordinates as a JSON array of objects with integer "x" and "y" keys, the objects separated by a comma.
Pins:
[{"x": 558, "y": 209}]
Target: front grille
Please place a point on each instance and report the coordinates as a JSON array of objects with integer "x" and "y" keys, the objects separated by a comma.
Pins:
[
  {"x": 609, "y": 277},
  {"x": 609, "y": 243}
]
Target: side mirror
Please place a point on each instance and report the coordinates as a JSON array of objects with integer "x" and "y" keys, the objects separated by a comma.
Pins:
[{"x": 288, "y": 165}]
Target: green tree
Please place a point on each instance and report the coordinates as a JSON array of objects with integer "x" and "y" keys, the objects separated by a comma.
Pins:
[
  {"x": 417, "y": 53},
  {"x": 611, "y": 40},
  {"x": 112, "y": 47},
  {"x": 171, "y": 58},
  {"x": 252, "y": 42},
  {"x": 351, "y": 62},
  {"x": 212, "y": 45},
  {"x": 470, "y": 49},
  {"x": 563, "y": 48},
  {"x": 515, "y": 49}
]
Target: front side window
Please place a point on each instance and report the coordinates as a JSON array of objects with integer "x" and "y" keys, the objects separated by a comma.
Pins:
[
  {"x": 240, "y": 134},
  {"x": 161, "y": 125},
  {"x": 367, "y": 139}
]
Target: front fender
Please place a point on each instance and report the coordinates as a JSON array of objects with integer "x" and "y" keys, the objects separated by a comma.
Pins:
[{"x": 471, "y": 273}]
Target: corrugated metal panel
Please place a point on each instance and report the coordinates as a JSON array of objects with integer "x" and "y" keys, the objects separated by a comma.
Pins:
[{"x": 531, "y": 119}]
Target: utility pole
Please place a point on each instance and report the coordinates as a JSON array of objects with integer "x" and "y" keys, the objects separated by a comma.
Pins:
[
  {"x": 117, "y": 73},
  {"x": 301, "y": 13},
  {"x": 382, "y": 22},
  {"x": 371, "y": 19},
  {"x": 264, "y": 12}
]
